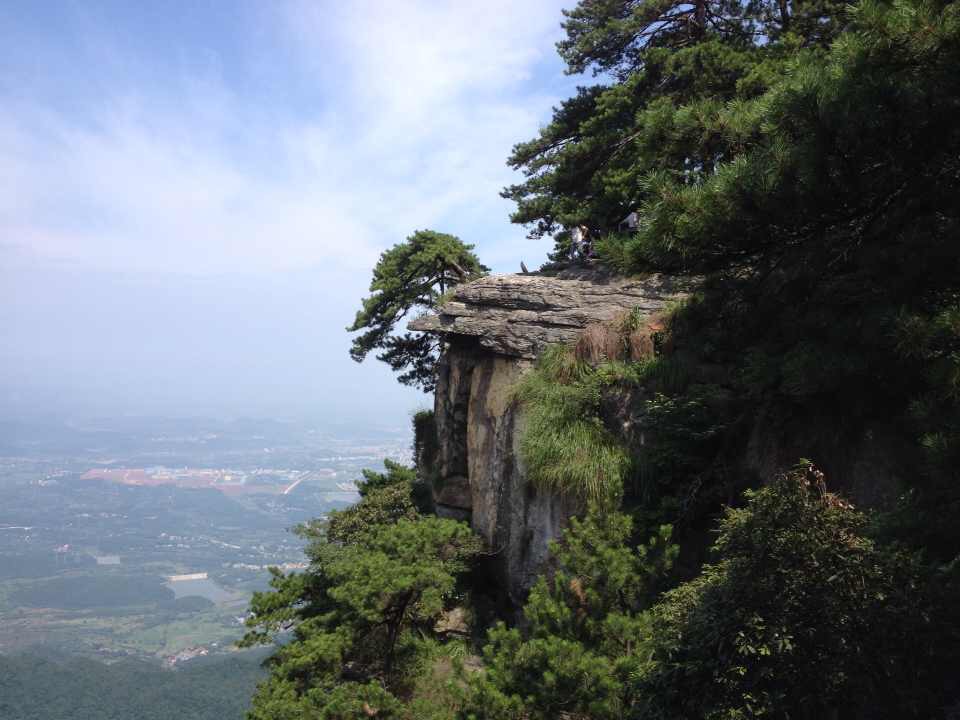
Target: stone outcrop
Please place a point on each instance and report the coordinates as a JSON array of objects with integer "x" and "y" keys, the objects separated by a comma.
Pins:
[
  {"x": 493, "y": 329},
  {"x": 519, "y": 315}
]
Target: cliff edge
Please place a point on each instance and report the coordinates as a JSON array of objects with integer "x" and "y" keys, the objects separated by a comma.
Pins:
[{"x": 493, "y": 330}]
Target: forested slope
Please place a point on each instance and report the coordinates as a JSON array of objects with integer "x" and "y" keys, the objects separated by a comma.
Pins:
[{"x": 39, "y": 688}]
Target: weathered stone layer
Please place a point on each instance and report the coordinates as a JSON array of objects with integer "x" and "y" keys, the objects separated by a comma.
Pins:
[{"x": 519, "y": 315}]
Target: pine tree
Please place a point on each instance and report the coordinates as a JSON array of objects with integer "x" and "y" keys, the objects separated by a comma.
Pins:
[
  {"x": 409, "y": 277},
  {"x": 667, "y": 66}
]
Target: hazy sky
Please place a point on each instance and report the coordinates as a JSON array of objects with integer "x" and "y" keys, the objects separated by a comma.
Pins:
[{"x": 192, "y": 194}]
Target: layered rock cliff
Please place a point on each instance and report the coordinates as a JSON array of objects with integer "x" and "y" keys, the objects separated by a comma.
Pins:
[{"x": 493, "y": 330}]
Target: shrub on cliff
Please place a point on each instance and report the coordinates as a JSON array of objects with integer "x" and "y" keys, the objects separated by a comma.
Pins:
[
  {"x": 573, "y": 443},
  {"x": 356, "y": 616},
  {"x": 378, "y": 507},
  {"x": 801, "y": 616},
  {"x": 583, "y": 629},
  {"x": 565, "y": 446},
  {"x": 362, "y": 615}
]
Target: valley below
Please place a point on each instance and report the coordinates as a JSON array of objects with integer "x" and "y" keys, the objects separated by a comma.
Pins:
[{"x": 145, "y": 540}]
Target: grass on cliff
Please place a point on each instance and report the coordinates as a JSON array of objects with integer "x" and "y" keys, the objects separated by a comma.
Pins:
[{"x": 564, "y": 444}]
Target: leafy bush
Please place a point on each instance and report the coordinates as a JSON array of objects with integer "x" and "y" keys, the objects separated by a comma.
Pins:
[
  {"x": 426, "y": 447},
  {"x": 801, "y": 616},
  {"x": 396, "y": 474},
  {"x": 582, "y": 631},
  {"x": 680, "y": 433},
  {"x": 355, "y": 616},
  {"x": 378, "y": 507},
  {"x": 582, "y": 628},
  {"x": 384, "y": 498}
]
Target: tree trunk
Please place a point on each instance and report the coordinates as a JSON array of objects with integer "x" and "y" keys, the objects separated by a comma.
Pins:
[
  {"x": 393, "y": 632},
  {"x": 459, "y": 270},
  {"x": 699, "y": 18}
]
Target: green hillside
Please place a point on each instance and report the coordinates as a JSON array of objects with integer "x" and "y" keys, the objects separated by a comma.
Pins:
[{"x": 38, "y": 688}]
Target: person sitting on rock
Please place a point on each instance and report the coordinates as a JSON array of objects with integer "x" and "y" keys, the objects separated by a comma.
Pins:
[{"x": 581, "y": 247}]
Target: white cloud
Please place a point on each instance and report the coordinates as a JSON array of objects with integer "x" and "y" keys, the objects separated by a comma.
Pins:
[
  {"x": 421, "y": 104},
  {"x": 359, "y": 123},
  {"x": 139, "y": 194}
]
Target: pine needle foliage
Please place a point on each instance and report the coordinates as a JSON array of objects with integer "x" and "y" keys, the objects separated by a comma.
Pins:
[
  {"x": 584, "y": 629},
  {"x": 411, "y": 277},
  {"x": 359, "y": 624},
  {"x": 801, "y": 616}
]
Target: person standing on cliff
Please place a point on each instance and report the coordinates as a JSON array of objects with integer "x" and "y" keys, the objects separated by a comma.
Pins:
[
  {"x": 586, "y": 244},
  {"x": 580, "y": 245},
  {"x": 576, "y": 242}
]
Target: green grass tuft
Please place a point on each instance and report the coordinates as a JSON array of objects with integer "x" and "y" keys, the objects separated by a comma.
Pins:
[{"x": 564, "y": 444}]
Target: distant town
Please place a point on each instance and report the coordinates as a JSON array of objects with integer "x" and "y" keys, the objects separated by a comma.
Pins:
[
  {"x": 145, "y": 538},
  {"x": 269, "y": 481}
]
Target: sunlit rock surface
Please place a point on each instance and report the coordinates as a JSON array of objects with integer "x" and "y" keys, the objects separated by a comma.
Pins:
[{"x": 519, "y": 315}]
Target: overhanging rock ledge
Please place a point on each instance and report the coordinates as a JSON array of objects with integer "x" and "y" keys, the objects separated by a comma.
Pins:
[
  {"x": 494, "y": 328},
  {"x": 519, "y": 315}
]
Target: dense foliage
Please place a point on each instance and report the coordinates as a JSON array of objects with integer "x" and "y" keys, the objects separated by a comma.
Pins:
[
  {"x": 578, "y": 653},
  {"x": 667, "y": 67},
  {"x": 362, "y": 616},
  {"x": 613, "y": 419},
  {"x": 800, "y": 616},
  {"x": 804, "y": 160},
  {"x": 565, "y": 446},
  {"x": 33, "y": 687},
  {"x": 411, "y": 276}
]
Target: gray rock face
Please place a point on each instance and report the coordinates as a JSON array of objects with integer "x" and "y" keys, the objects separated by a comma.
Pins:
[
  {"x": 494, "y": 328},
  {"x": 519, "y": 315}
]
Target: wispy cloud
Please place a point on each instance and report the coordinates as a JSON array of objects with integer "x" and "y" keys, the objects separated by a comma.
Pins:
[
  {"x": 412, "y": 129},
  {"x": 273, "y": 141}
]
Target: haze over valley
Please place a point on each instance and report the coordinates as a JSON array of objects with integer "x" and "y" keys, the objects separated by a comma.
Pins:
[{"x": 143, "y": 537}]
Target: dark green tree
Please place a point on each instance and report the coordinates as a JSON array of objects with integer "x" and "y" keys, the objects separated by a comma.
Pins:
[
  {"x": 355, "y": 614},
  {"x": 410, "y": 277},
  {"x": 666, "y": 65},
  {"x": 801, "y": 616},
  {"x": 578, "y": 650},
  {"x": 803, "y": 159},
  {"x": 828, "y": 237},
  {"x": 378, "y": 507}
]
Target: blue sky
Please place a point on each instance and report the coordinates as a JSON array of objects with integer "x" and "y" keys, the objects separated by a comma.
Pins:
[{"x": 192, "y": 194}]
